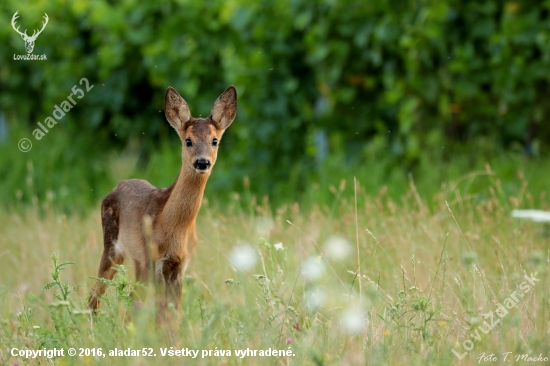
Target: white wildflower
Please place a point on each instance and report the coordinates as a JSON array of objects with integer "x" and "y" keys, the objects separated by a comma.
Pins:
[
  {"x": 315, "y": 298},
  {"x": 534, "y": 215},
  {"x": 263, "y": 226},
  {"x": 337, "y": 247},
  {"x": 354, "y": 320},
  {"x": 313, "y": 268},
  {"x": 243, "y": 257}
]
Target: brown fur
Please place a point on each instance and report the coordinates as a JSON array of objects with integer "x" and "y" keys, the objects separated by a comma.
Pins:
[{"x": 172, "y": 210}]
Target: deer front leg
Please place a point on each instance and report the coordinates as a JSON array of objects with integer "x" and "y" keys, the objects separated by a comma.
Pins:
[
  {"x": 173, "y": 291},
  {"x": 170, "y": 269}
]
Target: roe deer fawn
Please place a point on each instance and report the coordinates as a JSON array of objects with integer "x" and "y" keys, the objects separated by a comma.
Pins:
[{"x": 172, "y": 210}]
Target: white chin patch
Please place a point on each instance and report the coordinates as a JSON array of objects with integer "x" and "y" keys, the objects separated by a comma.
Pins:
[{"x": 201, "y": 171}]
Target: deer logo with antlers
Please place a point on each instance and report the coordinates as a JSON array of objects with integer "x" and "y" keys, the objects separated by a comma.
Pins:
[{"x": 29, "y": 41}]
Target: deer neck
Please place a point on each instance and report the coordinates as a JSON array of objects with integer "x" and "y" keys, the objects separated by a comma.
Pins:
[{"x": 185, "y": 199}]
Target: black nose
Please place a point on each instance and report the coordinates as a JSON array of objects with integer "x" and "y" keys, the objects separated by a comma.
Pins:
[{"x": 201, "y": 164}]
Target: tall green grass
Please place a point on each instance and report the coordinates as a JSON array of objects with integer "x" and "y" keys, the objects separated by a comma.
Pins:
[
  {"x": 361, "y": 278},
  {"x": 67, "y": 171}
]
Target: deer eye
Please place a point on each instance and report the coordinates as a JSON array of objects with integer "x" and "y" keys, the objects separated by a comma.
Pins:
[
  {"x": 215, "y": 142},
  {"x": 188, "y": 142}
]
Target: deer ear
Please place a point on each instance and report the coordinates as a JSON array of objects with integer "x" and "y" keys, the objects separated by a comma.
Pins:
[
  {"x": 225, "y": 108},
  {"x": 176, "y": 109}
]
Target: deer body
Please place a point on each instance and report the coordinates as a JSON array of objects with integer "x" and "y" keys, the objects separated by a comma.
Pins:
[{"x": 172, "y": 211}]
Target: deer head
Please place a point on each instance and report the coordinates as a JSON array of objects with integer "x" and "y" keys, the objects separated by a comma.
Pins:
[
  {"x": 200, "y": 136},
  {"x": 29, "y": 41}
]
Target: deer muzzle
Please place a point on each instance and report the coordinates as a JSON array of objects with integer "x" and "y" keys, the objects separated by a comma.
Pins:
[{"x": 202, "y": 165}]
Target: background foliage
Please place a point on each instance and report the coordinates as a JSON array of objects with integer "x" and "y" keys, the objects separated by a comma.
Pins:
[{"x": 327, "y": 89}]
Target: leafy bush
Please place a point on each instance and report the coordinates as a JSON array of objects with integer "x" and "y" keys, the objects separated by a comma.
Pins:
[{"x": 408, "y": 79}]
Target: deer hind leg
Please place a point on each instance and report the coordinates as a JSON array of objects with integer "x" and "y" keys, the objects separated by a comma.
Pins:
[
  {"x": 142, "y": 276},
  {"x": 111, "y": 254},
  {"x": 142, "y": 271}
]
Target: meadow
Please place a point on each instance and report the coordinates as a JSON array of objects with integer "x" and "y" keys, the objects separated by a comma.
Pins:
[
  {"x": 360, "y": 211},
  {"x": 367, "y": 279}
]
